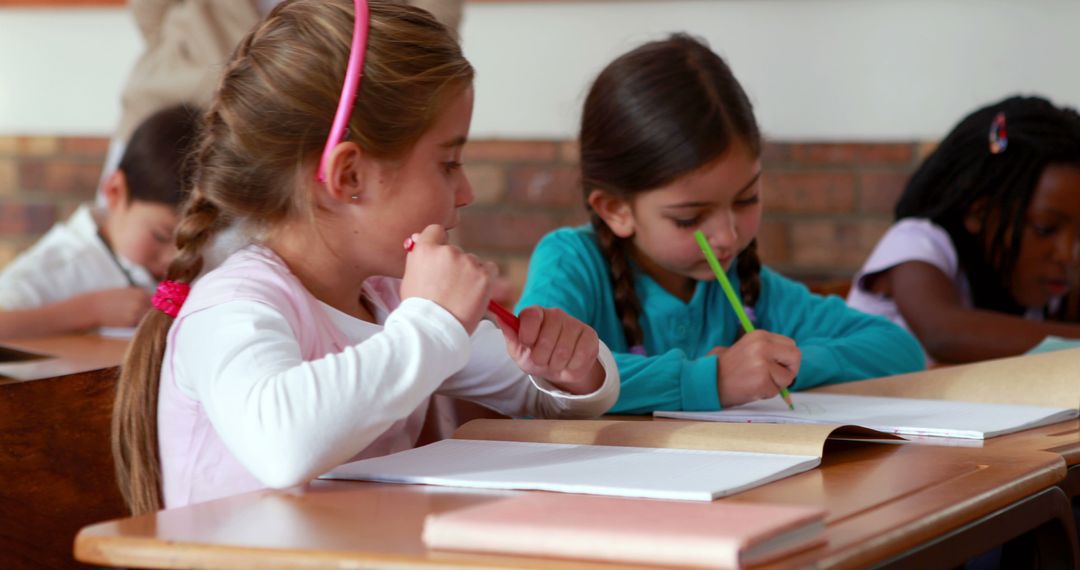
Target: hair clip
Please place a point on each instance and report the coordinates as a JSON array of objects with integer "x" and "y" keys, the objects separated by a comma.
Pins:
[{"x": 999, "y": 137}]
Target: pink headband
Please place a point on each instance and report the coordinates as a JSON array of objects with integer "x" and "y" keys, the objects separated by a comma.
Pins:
[{"x": 351, "y": 86}]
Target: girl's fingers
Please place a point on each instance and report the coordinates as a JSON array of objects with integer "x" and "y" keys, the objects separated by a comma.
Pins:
[
  {"x": 433, "y": 234},
  {"x": 788, "y": 356},
  {"x": 530, "y": 319},
  {"x": 774, "y": 338},
  {"x": 547, "y": 339},
  {"x": 564, "y": 349},
  {"x": 780, "y": 377},
  {"x": 586, "y": 351}
]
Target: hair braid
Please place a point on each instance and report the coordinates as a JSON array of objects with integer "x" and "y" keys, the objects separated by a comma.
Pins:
[
  {"x": 748, "y": 268},
  {"x": 627, "y": 305}
]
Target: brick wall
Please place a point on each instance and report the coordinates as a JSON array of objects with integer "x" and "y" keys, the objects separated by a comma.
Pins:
[
  {"x": 42, "y": 180},
  {"x": 826, "y": 204}
]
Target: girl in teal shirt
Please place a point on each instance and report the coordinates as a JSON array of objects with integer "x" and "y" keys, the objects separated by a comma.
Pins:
[{"x": 669, "y": 145}]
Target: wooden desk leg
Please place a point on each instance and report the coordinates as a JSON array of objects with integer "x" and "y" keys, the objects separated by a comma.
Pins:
[
  {"x": 1043, "y": 523},
  {"x": 1071, "y": 484}
]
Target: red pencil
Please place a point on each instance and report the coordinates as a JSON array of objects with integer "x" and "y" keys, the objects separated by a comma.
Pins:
[{"x": 500, "y": 311}]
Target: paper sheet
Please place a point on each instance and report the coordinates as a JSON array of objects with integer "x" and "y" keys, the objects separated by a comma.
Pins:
[
  {"x": 691, "y": 475},
  {"x": 902, "y": 416}
]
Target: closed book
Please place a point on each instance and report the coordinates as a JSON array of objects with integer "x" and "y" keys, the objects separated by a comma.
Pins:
[{"x": 723, "y": 534}]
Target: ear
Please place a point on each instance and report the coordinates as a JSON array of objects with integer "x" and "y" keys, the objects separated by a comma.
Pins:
[
  {"x": 974, "y": 219},
  {"x": 615, "y": 211},
  {"x": 347, "y": 170},
  {"x": 115, "y": 191}
]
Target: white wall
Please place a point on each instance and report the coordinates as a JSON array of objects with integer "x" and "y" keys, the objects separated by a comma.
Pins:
[{"x": 816, "y": 69}]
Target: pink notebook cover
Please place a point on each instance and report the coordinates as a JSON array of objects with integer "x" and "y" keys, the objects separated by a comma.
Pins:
[{"x": 723, "y": 534}]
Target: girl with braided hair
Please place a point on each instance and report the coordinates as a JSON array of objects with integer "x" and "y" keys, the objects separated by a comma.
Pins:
[
  {"x": 986, "y": 246},
  {"x": 324, "y": 340},
  {"x": 669, "y": 145}
]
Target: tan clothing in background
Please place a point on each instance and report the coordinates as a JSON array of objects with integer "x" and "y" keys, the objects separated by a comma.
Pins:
[
  {"x": 187, "y": 44},
  {"x": 189, "y": 41}
]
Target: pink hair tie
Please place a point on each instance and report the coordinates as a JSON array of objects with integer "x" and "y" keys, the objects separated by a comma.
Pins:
[{"x": 170, "y": 296}]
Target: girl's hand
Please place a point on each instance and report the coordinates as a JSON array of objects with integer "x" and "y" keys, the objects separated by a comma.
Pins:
[
  {"x": 557, "y": 347},
  {"x": 756, "y": 367},
  {"x": 122, "y": 307},
  {"x": 459, "y": 282}
]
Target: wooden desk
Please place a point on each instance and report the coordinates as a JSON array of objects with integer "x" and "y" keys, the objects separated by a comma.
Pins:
[
  {"x": 882, "y": 500},
  {"x": 67, "y": 354},
  {"x": 55, "y": 414},
  {"x": 56, "y": 465},
  {"x": 1062, "y": 438}
]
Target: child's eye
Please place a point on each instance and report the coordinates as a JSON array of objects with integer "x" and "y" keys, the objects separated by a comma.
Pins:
[
  {"x": 686, "y": 222},
  {"x": 160, "y": 238},
  {"x": 1042, "y": 230},
  {"x": 748, "y": 201},
  {"x": 450, "y": 166}
]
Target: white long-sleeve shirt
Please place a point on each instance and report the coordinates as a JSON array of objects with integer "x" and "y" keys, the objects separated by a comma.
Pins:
[{"x": 286, "y": 420}]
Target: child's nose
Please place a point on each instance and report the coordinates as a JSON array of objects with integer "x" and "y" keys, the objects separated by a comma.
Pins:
[
  {"x": 464, "y": 195},
  {"x": 1067, "y": 248},
  {"x": 721, "y": 231}
]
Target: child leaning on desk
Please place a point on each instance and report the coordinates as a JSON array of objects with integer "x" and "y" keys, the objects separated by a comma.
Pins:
[
  {"x": 324, "y": 340},
  {"x": 670, "y": 146},
  {"x": 98, "y": 268},
  {"x": 986, "y": 244}
]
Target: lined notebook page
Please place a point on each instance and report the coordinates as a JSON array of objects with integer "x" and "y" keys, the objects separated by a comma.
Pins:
[
  {"x": 904, "y": 416},
  {"x": 588, "y": 469}
]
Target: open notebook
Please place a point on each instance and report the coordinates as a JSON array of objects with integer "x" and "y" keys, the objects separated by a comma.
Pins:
[
  {"x": 1048, "y": 379},
  {"x": 904, "y": 416},
  {"x": 658, "y": 460},
  {"x": 714, "y": 535}
]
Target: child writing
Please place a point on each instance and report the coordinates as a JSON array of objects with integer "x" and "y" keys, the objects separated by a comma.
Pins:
[
  {"x": 669, "y": 145},
  {"x": 96, "y": 268},
  {"x": 987, "y": 239},
  {"x": 305, "y": 350}
]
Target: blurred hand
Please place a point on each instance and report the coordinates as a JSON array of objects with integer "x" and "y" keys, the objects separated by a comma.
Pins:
[
  {"x": 122, "y": 307},
  {"x": 756, "y": 367},
  {"x": 459, "y": 282},
  {"x": 557, "y": 347}
]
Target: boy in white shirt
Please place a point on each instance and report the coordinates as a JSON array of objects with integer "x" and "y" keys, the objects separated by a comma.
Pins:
[{"x": 100, "y": 266}]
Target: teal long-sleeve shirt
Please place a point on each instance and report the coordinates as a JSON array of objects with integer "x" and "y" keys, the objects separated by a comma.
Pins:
[{"x": 838, "y": 344}]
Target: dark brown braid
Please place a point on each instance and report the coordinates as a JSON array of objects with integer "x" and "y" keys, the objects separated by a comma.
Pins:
[
  {"x": 627, "y": 305},
  {"x": 748, "y": 268}
]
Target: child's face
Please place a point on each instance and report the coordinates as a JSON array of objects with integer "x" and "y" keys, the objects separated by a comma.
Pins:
[
  {"x": 426, "y": 188},
  {"x": 142, "y": 232},
  {"x": 722, "y": 199},
  {"x": 1050, "y": 246},
  {"x": 139, "y": 231}
]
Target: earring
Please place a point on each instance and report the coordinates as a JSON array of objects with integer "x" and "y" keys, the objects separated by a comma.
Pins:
[{"x": 354, "y": 197}]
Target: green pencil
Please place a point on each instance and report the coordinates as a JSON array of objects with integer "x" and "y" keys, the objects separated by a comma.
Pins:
[{"x": 732, "y": 297}]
